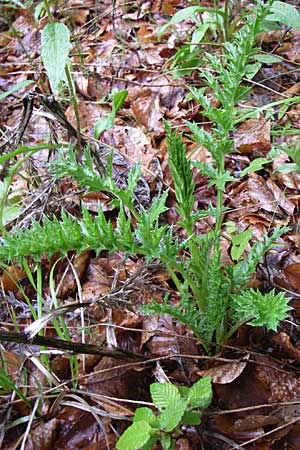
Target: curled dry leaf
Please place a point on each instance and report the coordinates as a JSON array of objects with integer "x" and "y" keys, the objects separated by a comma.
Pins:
[
  {"x": 68, "y": 285},
  {"x": 225, "y": 373},
  {"x": 160, "y": 335}
]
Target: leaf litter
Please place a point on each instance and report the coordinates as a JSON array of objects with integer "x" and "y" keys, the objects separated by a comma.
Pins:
[{"x": 122, "y": 51}]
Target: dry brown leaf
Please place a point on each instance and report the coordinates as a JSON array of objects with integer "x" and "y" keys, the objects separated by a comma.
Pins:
[
  {"x": 253, "y": 422},
  {"x": 148, "y": 111},
  {"x": 43, "y": 436},
  {"x": 163, "y": 340},
  {"x": 283, "y": 341},
  {"x": 292, "y": 273},
  {"x": 253, "y": 136},
  {"x": 268, "y": 195},
  {"x": 282, "y": 386},
  {"x": 225, "y": 373},
  {"x": 69, "y": 284},
  {"x": 11, "y": 277},
  {"x": 77, "y": 11}
]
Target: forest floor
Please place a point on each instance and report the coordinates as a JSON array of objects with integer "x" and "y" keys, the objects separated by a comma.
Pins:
[{"x": 256, "y": 378}]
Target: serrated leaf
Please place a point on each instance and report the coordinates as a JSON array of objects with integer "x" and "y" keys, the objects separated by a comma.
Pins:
[
  {"x": 163, "y": 393},
  {"x": 135, "y": 436},
  {"x": 201, "y": 393},
  {"x": 55, "y": 51},
  {"x": 265, "y": 309},
  {"x": 145, "y": 414},
  {"x": 172, "y": 415}
]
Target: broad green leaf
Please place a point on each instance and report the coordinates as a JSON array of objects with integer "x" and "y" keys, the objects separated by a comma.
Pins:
[
  {"x": 150, "y": 444},
  {"x": 15, "y": 88},
  {"x": 255, "y": 165},
  {"x": 107, "y": 122},
  {"x": 135, "y": 436},
  {"x": 267, "y": 58},
  {"x": 288, "y": 168},
  {"x": 118, "y": 100},
  {"x": 166, "y": 442},
  {"x": 163, "y": 393},
  {"x": 184, "y": 391},
  {"x": 201, "y": 393},
  {"x": 10, "y": 213},
  {"x": 284, "y": 13},
  {"x": 252, "y": 69},
  {"x": 239, "y": 243},
  {"x": 199, "y": 33},
  {"x": 145, "y": 414},
  {"x": 191, "y": 418},
  {"x": 172, "y": 415},
  {"x": 103, "y": 124},
  {"x": 55, "y": 51}
]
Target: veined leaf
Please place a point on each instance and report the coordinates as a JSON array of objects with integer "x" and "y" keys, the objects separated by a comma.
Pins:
[
  {"x": 163, "y": 393},
  {"x": 145, "y": 414},
  {"x": 135, "y": 437},
  {"x": 172, "y": 415},
  {"x": 200, "y": 395}
]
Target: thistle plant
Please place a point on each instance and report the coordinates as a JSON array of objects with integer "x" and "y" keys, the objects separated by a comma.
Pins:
[{"x": 214, "y": 300}]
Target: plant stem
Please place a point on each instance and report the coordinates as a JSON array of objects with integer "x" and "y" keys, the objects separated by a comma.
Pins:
[
  {"x": 74, "y": 104},
  {"x": 226, "y": 20},
  {"x": 47, "y": 8}
]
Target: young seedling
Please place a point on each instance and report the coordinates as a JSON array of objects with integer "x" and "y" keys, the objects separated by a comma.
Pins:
[{"x": 177, "y": 406}]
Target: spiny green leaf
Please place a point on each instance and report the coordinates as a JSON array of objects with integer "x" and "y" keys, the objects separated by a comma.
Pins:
[{"x": 265, "y": 309}]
